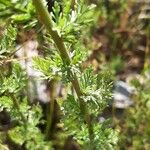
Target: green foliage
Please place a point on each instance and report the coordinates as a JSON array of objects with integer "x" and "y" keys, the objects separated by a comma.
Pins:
[
  {"x": 71, "y": 22},
  {"x": 50, "y": 67},
  {"x": 26, "y": 118},
  {"x": 94, "y": 88},
  {"x": 136, "y": 122},
  {"x": 97, "y": 92},
  {"x": 7, "y": 42},
  {"x": 102, "y": 134},
  {"x": 18, "y": 11},
  {"x": 17, "y": 81},
  {"x": 53, "y": 67},
  {"x": 6, "y": 103},
  {"x": 30, "y": 135},
  {"x": 73, "y": 123}
]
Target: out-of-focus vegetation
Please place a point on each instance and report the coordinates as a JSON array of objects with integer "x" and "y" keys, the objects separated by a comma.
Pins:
[
  {"x": 106, "y": 41},
  {"x": 135, "y": 131}
]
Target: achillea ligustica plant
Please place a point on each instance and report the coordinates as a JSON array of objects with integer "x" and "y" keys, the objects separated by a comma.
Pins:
[{"x": 88, "y": 92}]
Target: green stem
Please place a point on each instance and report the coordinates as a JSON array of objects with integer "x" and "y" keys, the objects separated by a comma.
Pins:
[
  {"x": 50, "y": 113},
  {"x": 46, "y": 20},
  {"x": 50, "y": 110}
]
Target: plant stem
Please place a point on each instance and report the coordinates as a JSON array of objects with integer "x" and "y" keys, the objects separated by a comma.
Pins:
[
  {"x": 50, "y": 110},
  {"x": 46, "y": 20},
  {"x": 50, "y": 113}
]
